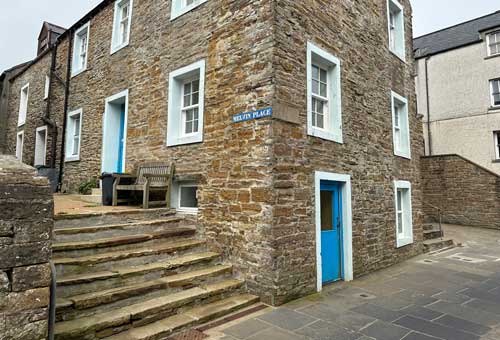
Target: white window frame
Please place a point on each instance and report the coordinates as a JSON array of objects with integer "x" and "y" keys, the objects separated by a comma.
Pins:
[
  {"x": 404, "y": 125},
  {"x": 492, "y": 93},
  {"x": 180, "y": 7},
  {"x": 175, "y": 128},
  {"x": 333, "y": 119},
  {"x": 47, "y": 87},
  {"x": 186, "y": 209},
  {"x": 488, "y": 43},
  {"x": 496, "y": 135},
  {"x": 116, "y": 43},
  {"x": 399, "y": 39},
  {"x": 40, "y": 148},
  {"x": 23, "y": 104},
  {"x": 19, "y": 146},
  {"x": 406, "y": 237},
  {"x": 76, "y": 65},
  {"x": 69, "y": 144}
]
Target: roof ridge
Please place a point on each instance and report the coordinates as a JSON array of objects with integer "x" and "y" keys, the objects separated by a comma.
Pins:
[{"x": 456, "y": 25}]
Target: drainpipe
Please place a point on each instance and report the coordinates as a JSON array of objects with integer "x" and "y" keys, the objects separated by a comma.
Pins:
[
  {"x": 46, "y": 118},
  {"x": 66, "y": 100},
  {"x": 429, "y": 134}
]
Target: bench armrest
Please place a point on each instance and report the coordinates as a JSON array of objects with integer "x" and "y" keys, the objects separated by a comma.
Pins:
[{"x": 123, "y": 176}]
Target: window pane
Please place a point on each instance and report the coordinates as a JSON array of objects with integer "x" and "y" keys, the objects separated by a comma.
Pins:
[
  {"x": 189, "y": 127},
  {"x": 187, "y": 100},
  {"x": 77, "y": 126},
  {"x": 189, "y": 115},
  {"x": 195, "y": 98},
  {"x": 196, "y": 85},
  {"x": 400, "y": 223},
  {"x": 315, "y": 87},
  {"x": 323, "y": 91},
  {"x": 188, "y": 197},
  {"x": 496, "y": 99},
  {"x": 326, "y": 210},
  {"x": 187, "y": 88},
  {"x": 195, "y": 113},
  {"x": 323, "y": 74},
  {"x": 315, "y": 72},
  {"x": 320, "y": 121},
  {"x": 400, "y": 200},
  {"x": 396, "y": 116}
]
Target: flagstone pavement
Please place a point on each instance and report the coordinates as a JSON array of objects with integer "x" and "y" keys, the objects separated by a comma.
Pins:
[{"x": 453, "y": 295}]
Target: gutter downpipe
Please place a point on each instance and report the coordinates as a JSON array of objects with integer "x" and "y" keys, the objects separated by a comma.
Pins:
[
  {"x": 429, "y": 134},
  {"x": 66, "y": 103},
  {"x": 47, "y": 119}
]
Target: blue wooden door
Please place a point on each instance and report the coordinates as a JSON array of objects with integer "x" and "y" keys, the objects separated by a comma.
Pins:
[
  {"x": 121, "y": 142},
  {"x": 331, "y": 231}
]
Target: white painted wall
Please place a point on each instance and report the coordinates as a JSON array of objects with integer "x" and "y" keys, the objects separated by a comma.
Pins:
[{"x": 462, "y": 121}]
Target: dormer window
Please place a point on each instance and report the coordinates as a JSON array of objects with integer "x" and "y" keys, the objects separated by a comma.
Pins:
[
  {"x": 493, "y": 41},
  {"x": 80, "y": 50},
  {"x": 180, "y": 7}
]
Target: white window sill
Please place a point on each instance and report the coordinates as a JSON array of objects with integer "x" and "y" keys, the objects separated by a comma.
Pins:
[
  {"x": 21, "y": 124},
  {"x": 185, "y": 140},
  {"x": 190, "y": 211},
  {"x": 117, "y": 48},
  {"x": 69, "y": 159},
  {"x": 182, "y": 11},
  {"x": 401, "y": 57},
  {"x": 402, "y": 242},
  {"x": 402, "y": 154},
  {"x": 77, "y": 72},
  {"x": 327, "y": 135}
]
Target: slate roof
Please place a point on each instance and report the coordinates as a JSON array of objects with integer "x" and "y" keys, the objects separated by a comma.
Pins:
[{"x": 460, "y": 35}]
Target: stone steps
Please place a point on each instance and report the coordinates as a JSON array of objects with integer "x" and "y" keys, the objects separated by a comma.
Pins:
[
  {"x": 433, "y": 233},
  {"x": 129, "y": 257},
  {"x": 111, "y": 217},
  {"x": 120, "y": 276},
  {"x": 437, "y": 244},
  {"x": 162, "y": 328},
  {"x": 104, "y": 231},
  {"x": 142, "y": 313},
  {"x": 117, "y": 243},
  {"x": 107, "y": 299}
]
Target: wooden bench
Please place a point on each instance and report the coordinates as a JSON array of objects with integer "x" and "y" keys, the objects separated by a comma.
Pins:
[{"x": 149, "y": 177}]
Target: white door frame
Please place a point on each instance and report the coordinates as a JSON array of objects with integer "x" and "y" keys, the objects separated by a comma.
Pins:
[
  {"x": 37, "y": 147},
  {"x": 110, "y": 100},
  {"x": 347, "y": 223}
]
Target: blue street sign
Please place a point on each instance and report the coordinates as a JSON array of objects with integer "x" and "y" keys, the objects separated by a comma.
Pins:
[{"x": 243, "y": 117}]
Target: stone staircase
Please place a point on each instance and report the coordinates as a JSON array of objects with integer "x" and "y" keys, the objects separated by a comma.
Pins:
[
  {"x": 140, "y": 275},
  {"x": 433, "y": 240}
]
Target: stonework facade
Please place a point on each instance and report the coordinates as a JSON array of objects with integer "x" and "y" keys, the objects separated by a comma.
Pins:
[
  {"x": 256, "y": 179},
  {"x": 26, "y": 221},
  {"x": 464, "y": 192}
]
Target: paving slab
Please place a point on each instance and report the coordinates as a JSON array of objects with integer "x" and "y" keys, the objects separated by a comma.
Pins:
[
  {"x": 464, "y": 312},
  {"x": 322, "y": 330},
  {"x": 274, "y": 333},
  {"x": 464, "y": 325},
  {"x": 385, "y": 331},
  {"x": 246, "y": 329},
  {"x": 421, "y": 312},
  {"x": 419, "y": 336},
  {"x": 287, "y": 319},
  {"x": 434, "y": 329},
  {"x": 378, "y": 312}
]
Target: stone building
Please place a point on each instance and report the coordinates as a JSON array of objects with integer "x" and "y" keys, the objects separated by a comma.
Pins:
[
  {"x": 458, "y": 86},
  {"x": 293, "y": 126},
  {"x": 34, "y": 120}
]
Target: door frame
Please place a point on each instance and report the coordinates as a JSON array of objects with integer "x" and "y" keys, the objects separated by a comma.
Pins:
[
  {"x": 108, "y": 101},
  {"x": 345, "y": 180}
]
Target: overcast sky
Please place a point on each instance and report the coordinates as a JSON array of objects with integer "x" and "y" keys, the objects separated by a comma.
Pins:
[{"x": 21, "y": 20}]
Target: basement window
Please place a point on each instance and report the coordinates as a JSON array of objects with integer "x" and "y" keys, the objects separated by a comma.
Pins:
[
  {"x": 121, "y": 24},
  {"x": 493, "y": 41},
  {"x": 40, "y": 145},
  {"x": 324, "y": 119},
  {"x": 19, "y": 145},
  {"x": 80, "y": 50},
  {"x": 180, "y": 7},
  {"x": 185, "y": 196},
  {"x": 400, "y": 126},
  {"x": 73, "y": 136},
  {"x": 186, "y": 105},
  {"x": 495, "y": 92},
  {"x": 404, "y": 221},
  {"x": 396, "y": 24},
  {"x": 23, "y": 105}
]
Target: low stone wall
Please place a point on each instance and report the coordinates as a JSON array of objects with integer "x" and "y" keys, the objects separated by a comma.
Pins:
[
  {"x": 26, "y": 222},
  {"x": 466, "y": 193}
]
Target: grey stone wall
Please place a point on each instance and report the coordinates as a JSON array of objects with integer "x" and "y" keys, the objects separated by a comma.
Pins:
[
  {"x": 466, "y": 193},
  {"x": 26, "y": 222}
]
